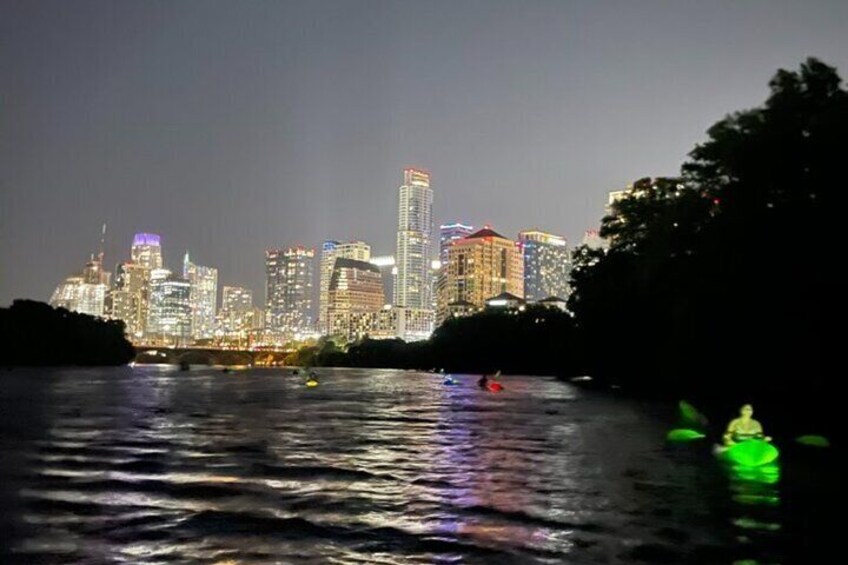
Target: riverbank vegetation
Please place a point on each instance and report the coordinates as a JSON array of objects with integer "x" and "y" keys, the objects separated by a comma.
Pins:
[{"x": 36, "y": 334}]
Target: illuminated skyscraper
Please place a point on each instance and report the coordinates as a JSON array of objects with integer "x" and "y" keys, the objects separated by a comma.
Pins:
[
  {"x": 169, "y": 318},
  {"x": 235, "y": 318},
  {"x": 330, "y": 251},
  {"x": 415, "y": 226},
  {"x": 84, "y": 292},
  {"x": 289, "y": 287},
  {"x": 449, "y": 233},
  {"x": 237, "y": 299},
  {"x": 356, "y": 287},
  {"x": 130, "y": 297},
  {"x": 204, "y": 297},
  {"x": 76, "y": 295},
  {"x": 547, "y": 265},
  {"x": 147, "y": 250},
  {"x": 479, "y": 267}
]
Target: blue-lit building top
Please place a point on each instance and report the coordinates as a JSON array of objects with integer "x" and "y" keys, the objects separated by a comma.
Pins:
[{"x": 448, "y": 233}]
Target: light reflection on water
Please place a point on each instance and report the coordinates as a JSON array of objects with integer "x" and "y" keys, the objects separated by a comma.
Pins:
[{"x": 153, "y": 464}]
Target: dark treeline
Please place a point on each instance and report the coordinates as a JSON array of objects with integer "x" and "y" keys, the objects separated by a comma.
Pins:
[
  {"x": 35, "y": 334},
  {"x": 723, "y": 284},
  {"x": 533, "y": 342}
]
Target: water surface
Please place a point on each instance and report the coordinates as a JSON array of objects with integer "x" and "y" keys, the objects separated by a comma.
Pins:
[{"x": 149, "y": 464}]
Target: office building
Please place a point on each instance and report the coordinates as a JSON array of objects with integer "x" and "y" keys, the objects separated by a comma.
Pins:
[
  {"x": 204, "y": 298},
  {"x": 330, "y": 251},
  {"x": 547, "y": 265},
  {"x": 481, "y": 266}
]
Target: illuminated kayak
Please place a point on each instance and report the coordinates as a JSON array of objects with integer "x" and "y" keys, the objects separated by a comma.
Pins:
[
  {"x": 495, "y": 387},
  {"x": 749, "y": 453},
  {"x": 311, "y": 382},
  {"x": 449, "y": 382}
]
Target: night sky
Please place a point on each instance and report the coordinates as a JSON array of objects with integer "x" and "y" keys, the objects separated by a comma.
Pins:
[{"x": 229, "y": 127}]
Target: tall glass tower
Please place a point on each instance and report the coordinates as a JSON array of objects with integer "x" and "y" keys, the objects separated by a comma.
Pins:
[
  {"x": 204, "y": 297},
  {"x": 288, "y": 290},
  {"x": 415, "y": 227}
]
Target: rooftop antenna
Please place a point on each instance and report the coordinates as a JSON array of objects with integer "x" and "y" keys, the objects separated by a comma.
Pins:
[{"x": 102, "y": 243}]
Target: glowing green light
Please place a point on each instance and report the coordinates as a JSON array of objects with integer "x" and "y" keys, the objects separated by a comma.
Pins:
[
  {"x": 683, "y": 434},
  {"x": 813, "y": 440},
  {"x": 690, "y": 416},
  {"x": 751, "y": 453}
]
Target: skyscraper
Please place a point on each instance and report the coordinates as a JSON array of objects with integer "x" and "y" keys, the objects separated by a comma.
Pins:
[
  {"x": 330, "y": 251},
  {"x": 235, "y": 318},
  {"x": 448, "y": 233},
  {"x": 169, "y": 318},
  {"x": 84, "y": 292},
  {"x": 130, "y": 297},
  {"x": 76, "y": 295},
  {"x": 479, "y": 267},
  {"x": 547, "y": 265},
  {"x": 147, "y": 250},
  {"x": 289, "y": 287},
  {"x": 204, "y": 297},
  {"x": 236, "y": 299},
  {"x": 415, "y": 226},
  {"x": 356, "y": 288}
]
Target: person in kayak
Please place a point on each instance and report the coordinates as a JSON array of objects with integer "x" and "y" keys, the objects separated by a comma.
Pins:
[
  {"x": 483, "y": 381},
  {"x": 744, "y": 427}
]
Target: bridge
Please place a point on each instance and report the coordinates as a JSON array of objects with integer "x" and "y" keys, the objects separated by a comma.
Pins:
[{"x": 210, "y": 356}]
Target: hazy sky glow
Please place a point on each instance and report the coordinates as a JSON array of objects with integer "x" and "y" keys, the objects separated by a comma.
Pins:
[{"x": 229, "y": 127}]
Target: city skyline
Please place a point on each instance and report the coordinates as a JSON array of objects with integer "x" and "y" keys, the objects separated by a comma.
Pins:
[{"x": 526, "y": 116}]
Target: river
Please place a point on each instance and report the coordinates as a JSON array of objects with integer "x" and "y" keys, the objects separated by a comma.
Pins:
[{"x": 150, "y": 464}]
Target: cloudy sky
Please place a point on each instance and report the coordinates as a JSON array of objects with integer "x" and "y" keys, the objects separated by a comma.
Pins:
[{"x": 229, "y": 127}]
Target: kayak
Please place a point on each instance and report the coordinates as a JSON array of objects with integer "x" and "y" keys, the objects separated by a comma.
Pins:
[
  {"x": 749, "y": 453},
  {"x": 449, "y": 382},
  {"x": 495, "y": 387},
  {"x": 311, "y": 382}
]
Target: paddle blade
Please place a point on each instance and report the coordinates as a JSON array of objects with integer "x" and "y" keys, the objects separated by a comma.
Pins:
[
  {"x": 690, "y": 416},
  {"x": 683, "y": 435},
  {"x": 814, "y": 441}
]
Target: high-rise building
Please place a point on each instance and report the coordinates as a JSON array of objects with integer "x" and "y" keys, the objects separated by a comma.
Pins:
[
  {"x": 170, "y": 314},
  {"x": 356, "y": 287},
  {"x": 547, "y": 265},
  {"x": 204, "y": 297},
  {"x": 289, "y": 286},
  {"x": 483, "y": 265},
  {"x": 415, "y": 227},
  {"x": 76, "y": 295},
  {"x": 388, "y": 269},
  {"x": 448, "y": 233},
  {"x": 236, "y": 299},
  {"x": 330, "y": 251},
  {"x": 84, "y": 292},
  {"x": 130, "y": 297},
  {"x": 147, "y": 250},
  {"x": 235, "y": 319},
  {"x": 274, "y": 288}
]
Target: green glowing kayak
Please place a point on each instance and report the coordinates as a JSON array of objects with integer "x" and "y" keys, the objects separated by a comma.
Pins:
[{"x": 750, "y": 453}]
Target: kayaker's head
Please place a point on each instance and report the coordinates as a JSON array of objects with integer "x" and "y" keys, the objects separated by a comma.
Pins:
[{"x": 746, "y": 411}]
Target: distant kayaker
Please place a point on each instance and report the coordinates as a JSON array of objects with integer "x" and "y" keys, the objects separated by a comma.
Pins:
[
  {"x": 744, "y": 427},
  {"x": 483, "y": 382}
]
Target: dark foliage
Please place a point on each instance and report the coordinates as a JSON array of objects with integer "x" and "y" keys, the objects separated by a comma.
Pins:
[
  {"x": 33, "y": 333},
  {"x": 534, "y": 341}
]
